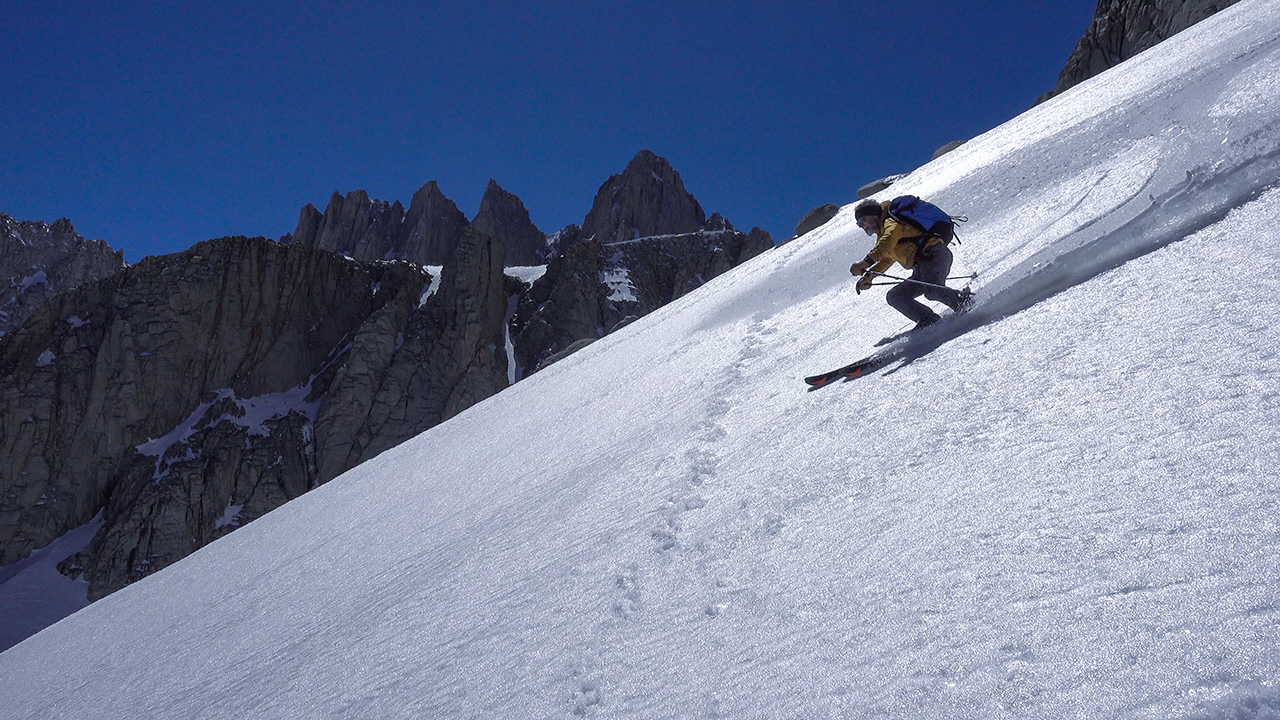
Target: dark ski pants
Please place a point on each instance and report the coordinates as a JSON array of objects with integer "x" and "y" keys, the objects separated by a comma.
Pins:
[{"x": 933, "y": 264}]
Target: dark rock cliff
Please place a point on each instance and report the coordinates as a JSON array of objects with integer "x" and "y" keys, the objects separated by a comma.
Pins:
[
  {"x": 645, "y": 243},
  {"x": 365, "y": 229},
  {"x": 1124, "y": 28},
  {"x": 189, "y": 394},
  {"x": 38, "y": 261},
  {"x": 192, "y": 393}
]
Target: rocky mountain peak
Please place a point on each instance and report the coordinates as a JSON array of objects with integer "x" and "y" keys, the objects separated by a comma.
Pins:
[
  {"x": 184, "y": 396},
  {"x": 647, "y": 199},
  {"x": 38, "y": 260},
  {"x": 432, "y": 228},
  {"x": 367, "y": 229},
  {"x": 503, "y": 216},
  {"x": 717, "y": 223}
]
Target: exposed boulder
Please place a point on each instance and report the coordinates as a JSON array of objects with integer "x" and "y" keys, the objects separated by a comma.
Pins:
[
  {"x": 816, "y": 218},
  {"x": 946, "y": 149},
  {"x": 876, "y": 186}
]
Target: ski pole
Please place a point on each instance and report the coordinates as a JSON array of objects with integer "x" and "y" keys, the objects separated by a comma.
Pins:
[
  {"x": 902, "y": 280},
  {"x": 899, "y": 282}
]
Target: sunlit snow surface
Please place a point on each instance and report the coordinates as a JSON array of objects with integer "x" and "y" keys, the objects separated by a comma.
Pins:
[{"x": 1067, "y": 504}]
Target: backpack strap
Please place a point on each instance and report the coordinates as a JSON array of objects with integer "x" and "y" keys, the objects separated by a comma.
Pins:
[{"x": 921, "y": 241}]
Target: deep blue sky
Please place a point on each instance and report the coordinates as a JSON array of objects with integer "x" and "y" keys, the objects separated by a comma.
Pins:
[{"x": 156, "y": 125}]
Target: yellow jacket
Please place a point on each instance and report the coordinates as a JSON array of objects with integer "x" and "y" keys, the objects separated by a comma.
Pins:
[{"x": 890, "y": 247}]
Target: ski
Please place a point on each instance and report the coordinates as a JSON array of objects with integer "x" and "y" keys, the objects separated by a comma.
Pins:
[
  {"x": 881, "y": 358},
  {"x": 852, "y": 370}
]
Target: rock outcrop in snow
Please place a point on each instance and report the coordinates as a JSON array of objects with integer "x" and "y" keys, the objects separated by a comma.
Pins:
[{"x": 816, "y": 218}]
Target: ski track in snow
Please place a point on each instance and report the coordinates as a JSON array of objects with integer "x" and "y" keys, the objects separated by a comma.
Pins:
[{"x": 1074, "y": 511}]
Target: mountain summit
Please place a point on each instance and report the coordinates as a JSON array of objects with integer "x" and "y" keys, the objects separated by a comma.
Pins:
[
  {"x": 502, "y": 215},
  {"x": 646, "y": 200}
]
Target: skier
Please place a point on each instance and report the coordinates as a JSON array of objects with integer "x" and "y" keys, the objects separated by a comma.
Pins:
[{"x": 926, "y": 255}]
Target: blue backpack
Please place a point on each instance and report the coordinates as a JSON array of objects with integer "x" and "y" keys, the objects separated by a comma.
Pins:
[{"x": 926, "y": 217}]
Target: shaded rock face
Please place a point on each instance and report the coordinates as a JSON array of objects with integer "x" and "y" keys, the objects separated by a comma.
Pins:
[
  {"x": 108, "y": 367},
  {"x": 561, "y": 240},
  {"x": 564, "y": 306},
  {"x": 1124, "y": 28},
  {"x": 432, "y": 228},
  {"x": 190, "y": 394},
  {"x": 231, "y": 469},
  {"x": 195, "y": 392},
  {"x": 448, "y": 355},
  {"x": 647, "y": 199},
  {"x": 38, "y": 261},
  {"x": 594, "y": 288},
  {"x": 365, "y": 229},
  {"x": 503, "y": 216}
]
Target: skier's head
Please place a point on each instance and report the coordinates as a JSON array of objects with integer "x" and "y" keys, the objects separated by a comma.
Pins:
[{"x": 869, "y": 214}]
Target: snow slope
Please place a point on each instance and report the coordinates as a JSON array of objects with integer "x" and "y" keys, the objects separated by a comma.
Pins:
[
  {"x": 34, "y": 595},
  {"x": 1066, "y": 505}
]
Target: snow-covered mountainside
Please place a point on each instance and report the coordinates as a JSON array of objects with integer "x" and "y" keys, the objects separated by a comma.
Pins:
[{"x": 1067, "y": 505}]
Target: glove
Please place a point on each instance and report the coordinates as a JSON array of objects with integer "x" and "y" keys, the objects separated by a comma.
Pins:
[
  {"x": 859, "y": 268},
  {"x": 864, "y": 283}
]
